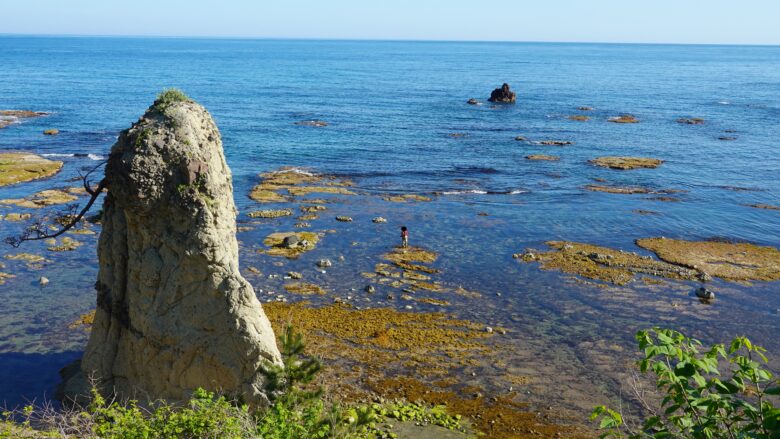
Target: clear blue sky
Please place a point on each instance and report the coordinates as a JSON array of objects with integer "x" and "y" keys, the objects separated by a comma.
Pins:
[{"x": 663, "y": 21}]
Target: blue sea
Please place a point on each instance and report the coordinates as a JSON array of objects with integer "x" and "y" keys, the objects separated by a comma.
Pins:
[{"x": 398, "y": 122}]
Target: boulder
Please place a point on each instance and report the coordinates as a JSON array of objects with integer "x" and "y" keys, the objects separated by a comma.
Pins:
[
  {"x": 473, "y": 101},
  {"x": 173, "y": 312},
  {"x": 290, "y": 241},
  {"x": 503, "y": 95}
]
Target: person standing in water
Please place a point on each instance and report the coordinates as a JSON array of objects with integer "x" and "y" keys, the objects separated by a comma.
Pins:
[{"x": 404, "y": 237}]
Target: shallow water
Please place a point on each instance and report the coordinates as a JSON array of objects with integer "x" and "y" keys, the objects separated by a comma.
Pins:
[{"x": 391, "y": 108}]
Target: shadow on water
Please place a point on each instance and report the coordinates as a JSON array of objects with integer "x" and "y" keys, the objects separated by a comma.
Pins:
[{"x": 25, "y": 378}]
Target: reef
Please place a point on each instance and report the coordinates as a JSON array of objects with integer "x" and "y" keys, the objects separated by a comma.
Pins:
[
  {"x": 312, "y": 123},
  {"x": 624, "y": 118},
  {"x": 296, "y": 183},
  {"x": 304, "y": 288},
  {"x": 738, "y": 262},
  {"x": 42, "y": 199},
  {"x": 604, "y": 264},
  {"x": 22, "y": 167},
  {"x": 407, "y": 197},
  {"x": 690, "y": 120},
  {"x": 763, "y": 206},
  {"x": 270, "y": 213},
  {"x": 503, "y": 95},
  {"x": 625, "y": 163},
  {"x": 550, "y": 158},
  {"x": 8, "y": 117},
  {"x": 579, "y": 118},
  {"x": 618, "y": 189}
]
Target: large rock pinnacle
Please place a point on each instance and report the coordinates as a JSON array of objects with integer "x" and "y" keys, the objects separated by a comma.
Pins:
[{"x": 173, "y": 312}]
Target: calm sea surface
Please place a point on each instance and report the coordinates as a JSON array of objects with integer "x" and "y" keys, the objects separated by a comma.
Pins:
[{"x": 392, "y": 108}]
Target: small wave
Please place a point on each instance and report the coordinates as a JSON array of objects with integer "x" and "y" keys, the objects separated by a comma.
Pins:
[
  {"x": 58, "y": 155},
  {"x": 517, "y": 191},
  {"x": 294, "y": 170},
  {"x": 724, "y": 102},
  {"x": 95, "y": 157}
]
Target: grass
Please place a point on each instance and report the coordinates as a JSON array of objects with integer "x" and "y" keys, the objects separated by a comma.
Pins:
[{"x": 170, "y": 96}]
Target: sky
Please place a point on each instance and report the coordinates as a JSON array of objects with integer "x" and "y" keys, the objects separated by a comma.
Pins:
[{"x": 639, "y": 21}]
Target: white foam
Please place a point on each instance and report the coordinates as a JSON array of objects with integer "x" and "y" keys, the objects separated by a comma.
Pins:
[
  {"x": 471, "y": 191},
  {"x": 95, "y": 157}
]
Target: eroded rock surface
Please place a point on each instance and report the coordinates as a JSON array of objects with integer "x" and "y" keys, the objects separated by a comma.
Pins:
[
  {"x": 173, "y": 312},
  {"x": 625, "y": 163}
]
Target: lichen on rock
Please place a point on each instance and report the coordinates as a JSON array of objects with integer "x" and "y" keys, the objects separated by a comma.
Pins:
[
  {"x": 18, "y": 167},
  {"x": 739, "y": 262},
  {"x": 173, "y": 312}
]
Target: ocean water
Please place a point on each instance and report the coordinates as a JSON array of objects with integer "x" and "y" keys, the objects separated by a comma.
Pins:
[{"x": 392, "y": 109}]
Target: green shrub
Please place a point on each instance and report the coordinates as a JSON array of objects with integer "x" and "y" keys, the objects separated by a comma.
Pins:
[
  {"x": 168, "y": 97},
  {"x": 699, "y": 400}
]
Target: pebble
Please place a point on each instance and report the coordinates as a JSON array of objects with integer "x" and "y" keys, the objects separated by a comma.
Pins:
[
  {"x": 379, "y": 220},
  {"x": 408, "y": 307},
  {"x": 488, "y": 329},
  {"x": 370, "y": 289},
  {"x": 323, "y": 263},
  {"x": 43, "y": 281}
]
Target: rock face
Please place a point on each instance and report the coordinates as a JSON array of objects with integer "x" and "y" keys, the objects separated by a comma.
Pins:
[
  {"x": 173, "y": 312},
  {"x": 503, "y": 95}
]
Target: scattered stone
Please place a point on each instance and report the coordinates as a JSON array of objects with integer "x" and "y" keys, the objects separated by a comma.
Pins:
[
  {"x": 625, "y": 118},
  {"x": 473, "y": 101},
  {"x": 585, "y": 108},
  {"x": 521, "y": 139},
  {"x": 18, "y": 167},
  {"x": 727, "y": 138},
  {"x": 544, "y": 157},
  {"x": 704, "y": 293},
  {"x": 579, "y": 118},
  {"x": 173, "y": 312},
  {"x": 625, "y": 163},
  {"x": 51, "y": 132},
  {"x": 312, "y": 123},
  {"x": 379, "y": 220},
  {"x": 290, "y": 241},
  {"x": 738, "y": 262},
  {"x": 344, "y": 219},
  {"x": 43, "y": 281},
  {"x": 488, "y": 329},
  {"x": 295, "y": 275},
  {"x": 370, "y": 289},
  {"x": 503, "y": 95},
  {"x": 691, "y": 120},
  {"x": 270, "y": 213},
  {"x": 324, "y": 263}
]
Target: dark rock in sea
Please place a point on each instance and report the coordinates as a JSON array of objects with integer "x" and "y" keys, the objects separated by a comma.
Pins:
[
  {"x": 312, "y": 123},
  {"x": 625, "y": 118},
  {"x": 727, "y": 138},
  {"x": 555, "y": 142},
  {"x": 52, "y": 132},
  {"x": 520, "y": 139},
  {"x": 704, "y": 293},
  {"x": 473, "y": 101},
  {"x": 503, "y": 95},
  {"x": 585, "y": 108}
]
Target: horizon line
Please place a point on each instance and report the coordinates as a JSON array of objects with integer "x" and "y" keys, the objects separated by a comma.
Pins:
[{"x": 389, "y": 40}]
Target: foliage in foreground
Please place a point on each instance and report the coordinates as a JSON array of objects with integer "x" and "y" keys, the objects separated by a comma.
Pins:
[
  {"x": 699, "y": 399},
  {"x": 296, "y": 412}
]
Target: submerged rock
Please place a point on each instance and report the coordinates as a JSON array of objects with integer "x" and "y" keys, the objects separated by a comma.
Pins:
[
  {"x": 579, "y": 118},
  {"x": 270, "y": 213},
  {"x": 51, "y": 132},
  {"x": 379, "y": 220},
  {"x": 730, "y": 261},
  {"x": 503, "y": 95},
  {"x": 290, "y": 244},
  {"x": 344, "y": 219},
  {"x": 555, "y": 142},
  {"x": 173, "y": 312},
  {"x": 625, "y": 163},
  {"x": 306, "y": 289},
  {"x": 473, "y": 101},
  {"x": 312, "y": 123},
  {"x": 16, "y": 167},
  {"x": 42, "y": 199},
  {"x": 763, "y": 206},
  {"x": 407, "y": 197},
  {"x": 704, "y": 293}
]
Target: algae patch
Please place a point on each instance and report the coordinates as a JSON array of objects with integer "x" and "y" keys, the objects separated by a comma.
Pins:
[
  {"x": 306, "y": 241},
  {"x": 42, "y": 199},
  {"x": 303, "y": 288}
]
